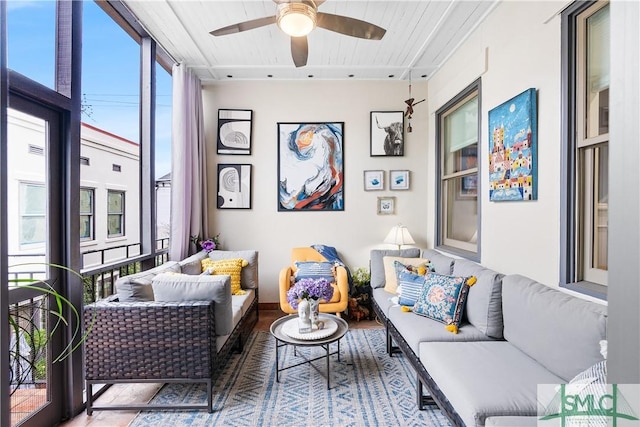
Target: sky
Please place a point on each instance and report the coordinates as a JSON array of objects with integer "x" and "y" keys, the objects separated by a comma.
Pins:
[{"x": 110, "y": 70}]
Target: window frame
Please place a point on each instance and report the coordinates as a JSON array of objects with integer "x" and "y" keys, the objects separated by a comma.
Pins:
[
  {"x": 121, "y": 213},
  {"x": 24, "y": 214},
  {"x": 91, "y": 214},
  {"x": 463, "y": 249},
  {"x": 575, "y": 217}
]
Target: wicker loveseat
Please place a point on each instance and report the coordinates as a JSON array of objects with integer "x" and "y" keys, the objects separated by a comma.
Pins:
[{"x": 138, "y": 341}]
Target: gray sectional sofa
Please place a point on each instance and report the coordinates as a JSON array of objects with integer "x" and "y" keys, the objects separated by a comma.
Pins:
[
  {"x": 170, "y": 324},
  {"x": 515, "y": 334}
]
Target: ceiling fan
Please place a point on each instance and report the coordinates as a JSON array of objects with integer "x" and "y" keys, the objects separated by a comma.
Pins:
[{"x": 297, "y": 18}]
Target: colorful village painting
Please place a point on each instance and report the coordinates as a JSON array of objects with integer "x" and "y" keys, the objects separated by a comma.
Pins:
[{"x": 513, "y": 172}]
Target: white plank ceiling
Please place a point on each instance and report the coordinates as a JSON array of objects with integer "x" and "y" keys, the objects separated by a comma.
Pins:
[{"x": 420, "y": 36}]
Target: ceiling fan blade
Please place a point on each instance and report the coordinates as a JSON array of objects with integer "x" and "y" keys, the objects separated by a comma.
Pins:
[
  {"x": 299, "y": 50},
  {"x": 244, "y": 26},
  {"x": 350, "y": 26}
]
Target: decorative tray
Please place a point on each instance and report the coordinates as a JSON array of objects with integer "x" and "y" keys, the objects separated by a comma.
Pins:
[{"x": 290, "y": 328}]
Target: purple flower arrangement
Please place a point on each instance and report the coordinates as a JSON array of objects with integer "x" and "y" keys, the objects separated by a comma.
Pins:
[
  {"x": 309, "y": 289},
  {"x": 208, "y": 244}
]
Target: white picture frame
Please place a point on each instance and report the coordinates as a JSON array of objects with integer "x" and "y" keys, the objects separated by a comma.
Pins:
[
  {"x": 373, "y": 180},
  {"x": 399, "y": 180},
  {"x": 386, "y": 205}
]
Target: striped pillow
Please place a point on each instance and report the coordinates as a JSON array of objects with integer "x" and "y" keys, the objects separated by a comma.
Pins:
[
  {"x": 315, "y": 270},
  {"x": 409, "y": 287}
]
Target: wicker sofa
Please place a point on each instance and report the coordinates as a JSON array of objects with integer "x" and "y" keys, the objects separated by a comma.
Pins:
[
  {"x": 136, "y": 338},
  {"x": 515, "y": 334}
]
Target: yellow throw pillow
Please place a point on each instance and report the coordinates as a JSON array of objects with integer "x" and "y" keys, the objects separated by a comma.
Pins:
[
  {"x": 232, "y": 267},
  {"x": 390, "y": 279}
]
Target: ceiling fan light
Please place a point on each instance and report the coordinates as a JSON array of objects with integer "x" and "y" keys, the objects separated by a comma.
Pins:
[{"x": 296, "y": 19}]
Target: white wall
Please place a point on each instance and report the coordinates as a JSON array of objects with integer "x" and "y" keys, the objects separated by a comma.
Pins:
[
  {"x": 512, "y": 50},
  {"x": 357, "y": 229}
]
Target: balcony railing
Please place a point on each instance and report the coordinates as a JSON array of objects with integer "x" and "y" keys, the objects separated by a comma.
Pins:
[{"x": 100, "y": 277}]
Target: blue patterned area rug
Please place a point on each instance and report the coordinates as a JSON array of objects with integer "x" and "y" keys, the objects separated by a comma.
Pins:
[{"x": 368, "y": 388}]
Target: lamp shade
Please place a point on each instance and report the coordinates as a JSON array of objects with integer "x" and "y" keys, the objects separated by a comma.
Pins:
[{"x": 399, "y": 235}]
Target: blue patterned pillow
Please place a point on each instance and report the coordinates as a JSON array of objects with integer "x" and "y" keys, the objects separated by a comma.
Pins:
[
  {"x": 409, "y": 287},
  {"x": 315, "y": 270},
  {"x": 442, "y": 299}
]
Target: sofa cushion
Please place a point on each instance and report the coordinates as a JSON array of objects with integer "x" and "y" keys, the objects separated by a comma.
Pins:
[
  {"x": 137, "y": 287},
  {"x": 560, "y": 331},
  {"x": 244, "y": 301},
  {"x": 391, "y": 269},
  {"x": 443, "y": 299},
  {"x": 314, "y": 270},
  {"x": 377, "y": 266},
  {"x": 383, "y": 299},
  {"x": 193, "y": 264},
  {"x": 183, "y": 287},
  {"x": 232, "y": 267},
  {"x": 485, "y": 378},
  {"x": 513, "y": 421},
  {"x": 249, "y": 274},
  {"x": 484, "y": 302},
  {"x": 441, "y": 263},
  {"x": 416, "y": 329}
]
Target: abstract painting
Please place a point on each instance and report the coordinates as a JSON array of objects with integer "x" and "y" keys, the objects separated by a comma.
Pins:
[
  {"x": 399, "y": 180},
  {"x": 373, "y": 180},
  {"x": 234, "y": 131},
  {"x": 310, "y": 167},
  {"x": 387, "y": 133},
  {"x": 513, "y": 140},
  {"x": 234, "y": 186}
]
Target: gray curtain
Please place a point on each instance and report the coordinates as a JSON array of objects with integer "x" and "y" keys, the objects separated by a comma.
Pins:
[{"x": 188, "y": 168}]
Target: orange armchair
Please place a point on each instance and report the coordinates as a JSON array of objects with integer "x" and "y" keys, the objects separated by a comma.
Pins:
[{"x": 340, "y": 298}]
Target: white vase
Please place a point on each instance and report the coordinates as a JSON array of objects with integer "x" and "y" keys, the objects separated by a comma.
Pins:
[
  {"x": 314, "y": 308},
  {"x": 304, "y": 316}
]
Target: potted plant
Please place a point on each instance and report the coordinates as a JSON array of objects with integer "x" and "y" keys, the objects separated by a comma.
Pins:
[{"x": 360, "y": 299}]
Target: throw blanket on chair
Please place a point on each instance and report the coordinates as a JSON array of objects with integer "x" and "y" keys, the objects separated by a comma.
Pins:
[{"x": 330, "y": 253}]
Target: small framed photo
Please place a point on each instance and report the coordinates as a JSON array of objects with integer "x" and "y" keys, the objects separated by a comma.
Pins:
[
  {"x": 399, "y": 180},
  {"x": 373, "y": 180},
  {"x": 234, "y": 131},
  {"x": 234, "y": 186},
  {"x": 387, "y": 133},
  {"x": 386, "y": 205}
]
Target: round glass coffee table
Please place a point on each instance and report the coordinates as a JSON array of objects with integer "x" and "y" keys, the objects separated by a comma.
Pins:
[{"x": 285, "y": 331}]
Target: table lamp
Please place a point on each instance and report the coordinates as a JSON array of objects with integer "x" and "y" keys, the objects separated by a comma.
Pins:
[{"x": 399, "y": 235}]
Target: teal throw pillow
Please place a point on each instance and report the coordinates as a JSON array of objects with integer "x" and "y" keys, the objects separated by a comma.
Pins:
[
  {"x": 315, "y": 270},
  {"x": 442, "y": 299}
]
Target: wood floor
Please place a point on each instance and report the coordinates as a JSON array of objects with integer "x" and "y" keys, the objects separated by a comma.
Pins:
[{"x": 141, "y": 393}]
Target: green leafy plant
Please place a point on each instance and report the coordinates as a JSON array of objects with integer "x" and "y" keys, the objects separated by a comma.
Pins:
[
  {"x": 361, "y": 276},
  {"x": 31, "y": 363}
]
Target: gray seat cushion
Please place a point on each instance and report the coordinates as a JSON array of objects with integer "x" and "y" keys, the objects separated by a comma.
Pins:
[
  {"x": 377, "y": 266},
  {"x": 383, "y": 299},
  {"x": 182, "y": 287},
  {"x": 558, "y": 330},
  {"x": 137, "y": 287},
  {"x": 484, "y": 302},
  {"x": 511, "y": 421},
  {"x": 416, "y": 329},
  {"x": 485, "y": 378}
]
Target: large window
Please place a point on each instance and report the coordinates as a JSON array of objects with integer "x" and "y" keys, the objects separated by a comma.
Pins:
[
  {"x": 115, "y": 213},
  {"x": 457, "y": 137},
  {"x": 586, "y": 44}
]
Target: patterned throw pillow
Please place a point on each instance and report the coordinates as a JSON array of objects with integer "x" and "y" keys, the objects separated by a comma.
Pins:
[
  {"x": 232, "y": 267},
  {"x": 315, "y": 270},
  {"x": 409, "y": 287},
  {"x": 443, "y": 298}
]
